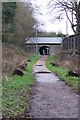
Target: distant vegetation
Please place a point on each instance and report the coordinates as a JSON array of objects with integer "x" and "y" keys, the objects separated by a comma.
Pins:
[{"x": 52, "y": 34}]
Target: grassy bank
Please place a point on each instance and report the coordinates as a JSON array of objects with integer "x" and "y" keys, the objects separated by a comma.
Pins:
[
  {"x": 62, "y": 73},
  {"x": 16, "y": 91}
]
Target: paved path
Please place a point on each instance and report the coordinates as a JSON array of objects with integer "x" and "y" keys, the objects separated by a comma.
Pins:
[{"x": 52, "y": 98}]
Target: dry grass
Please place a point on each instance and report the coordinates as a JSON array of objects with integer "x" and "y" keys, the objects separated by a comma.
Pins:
[
  {"x": 71, "y": 62},
  {"x": 11, "y": 57}
]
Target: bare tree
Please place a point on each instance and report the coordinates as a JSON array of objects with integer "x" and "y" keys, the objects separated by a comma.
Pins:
[
  {"x": 24, "y": 21},
  {"x": 64, "y": 8}
]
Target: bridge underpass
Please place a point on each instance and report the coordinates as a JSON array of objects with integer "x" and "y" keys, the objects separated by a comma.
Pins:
[{"x": 44, "y": 50}]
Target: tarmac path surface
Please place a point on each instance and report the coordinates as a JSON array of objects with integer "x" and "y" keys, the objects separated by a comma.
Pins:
[{"x": 52, "y": 98}]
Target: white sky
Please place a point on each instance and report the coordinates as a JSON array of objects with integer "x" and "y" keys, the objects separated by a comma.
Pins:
[{"x": 50, "y": 24}]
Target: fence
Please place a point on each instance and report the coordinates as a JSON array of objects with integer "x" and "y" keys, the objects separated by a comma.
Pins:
[{"x": 71, "y": 44}]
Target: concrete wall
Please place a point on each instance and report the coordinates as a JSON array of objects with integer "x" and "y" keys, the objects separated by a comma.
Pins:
[
  {"x": 54, "y": 49},
  {"x": 31, "y": 48}
]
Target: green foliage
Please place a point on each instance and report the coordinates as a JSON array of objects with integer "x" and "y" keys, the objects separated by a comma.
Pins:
[
  {"x": 62, "y": 73},
  {"x": 8, "y": 24},
  {"x": 45, "y": 34},
  {"x": 18, "y": 22},
  {"x": 61, "y": 35},
  {"x": 8, "y": 12},
  {"x": 16, "y": 91}
]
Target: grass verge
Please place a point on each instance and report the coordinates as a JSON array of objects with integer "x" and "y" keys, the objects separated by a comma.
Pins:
[
  {"x": 62, "y": 73},
  {"x": 16, "y": 91}
]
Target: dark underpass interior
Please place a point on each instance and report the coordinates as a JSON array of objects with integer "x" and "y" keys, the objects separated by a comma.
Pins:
[{"x": 44, "y": 50}]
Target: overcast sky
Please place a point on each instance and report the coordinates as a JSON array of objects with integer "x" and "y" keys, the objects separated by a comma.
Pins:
[{"x": 50, "y": 24}]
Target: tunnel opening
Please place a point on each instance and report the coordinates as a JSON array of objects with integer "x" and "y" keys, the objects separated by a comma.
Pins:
[{"x": 44, "y": 50}]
